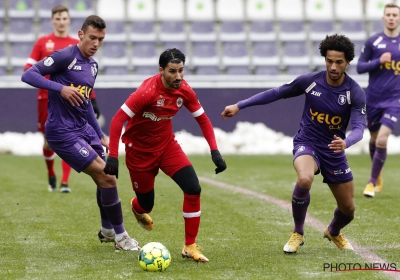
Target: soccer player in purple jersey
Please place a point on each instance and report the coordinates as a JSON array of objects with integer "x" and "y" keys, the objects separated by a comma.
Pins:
[
  {"x": 380, "y": 57},
  {"x": 72, "y": 130},
  {"x": 332, "y": 100}
]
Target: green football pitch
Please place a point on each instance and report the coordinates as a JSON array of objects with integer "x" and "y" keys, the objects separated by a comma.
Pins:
[{"x": 245, "y": 222}]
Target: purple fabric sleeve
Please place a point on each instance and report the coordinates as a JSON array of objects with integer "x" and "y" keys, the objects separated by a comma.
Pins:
[
  {"x": 358, "y": 117},
  {"x": 33, "y": 77},
  {"x": 367, "y": 66},
  {"x": 355, "y": 135},
  {"x": 261, "y": 98},
  {"x": 93, "y": 121}
]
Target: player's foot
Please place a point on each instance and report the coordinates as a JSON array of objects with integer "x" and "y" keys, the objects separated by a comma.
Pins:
[
  {"x": 52, "y": 187},
  {"x": 340, "y": 241},
  {"x": 103, "y": 237},
  {"x": 369, "y": 190},
  {"x": 144, "y": 220},
  {"x": 127, "y": 244},
  {"x": 379, "y": 183},
  {"x": 193, "y": 252},
  {"x": 294, "y": 242},
  {"x": 64, "y": 188}
]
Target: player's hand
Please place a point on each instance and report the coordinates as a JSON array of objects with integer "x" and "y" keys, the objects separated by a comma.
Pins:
[
  {"x": 338, "y": 145},
  {"x": 111, "y": 166},
  {"x": 104, "y": 142},
  {"x": 218, "y": 161},
  {"x": 230, "y": 111},
  {"x": 385, "y": 57},
  {"x": 72, "y": 95}
]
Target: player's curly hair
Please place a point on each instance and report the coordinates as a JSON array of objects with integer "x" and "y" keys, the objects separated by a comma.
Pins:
[
  {"x": 338, "y": 43},
  {"x": 93, "y": 21},
  {"x": 171, "y": 55}
]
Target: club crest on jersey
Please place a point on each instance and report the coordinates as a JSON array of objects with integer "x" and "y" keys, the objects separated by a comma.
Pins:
[
  {"x": 342, "y": 99},
  {"x": 49, "y": 61},
  {"x": 50, "y": 46},
  {"x": 72, "y": 64},
  {"x": 160, "y": 102},
  {"x": 179, "y": 102},
  {"x": 94, "y": 70}
]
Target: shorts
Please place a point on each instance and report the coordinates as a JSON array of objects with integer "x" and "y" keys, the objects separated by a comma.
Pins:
[
  {"x": 333, "y": 167},
  {"x": 42, "y": 114},
  {"x": 143, "y": 166},
  {"x": 78, "y": 150},
  {"x": 377, "y": 116}
]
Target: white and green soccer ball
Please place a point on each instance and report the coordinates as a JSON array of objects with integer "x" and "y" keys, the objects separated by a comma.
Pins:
[{"x": 154, "y": 256}]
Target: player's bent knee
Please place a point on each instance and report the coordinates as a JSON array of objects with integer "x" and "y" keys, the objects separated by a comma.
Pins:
[
  {"x": 305, "y": 181},
  {"x": 146, "y": 200},
  {"x": 187, "y": 180}
]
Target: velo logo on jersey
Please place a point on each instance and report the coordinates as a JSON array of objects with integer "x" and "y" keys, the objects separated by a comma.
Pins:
[
  {"x": 83, "y": 90},
  {"x": 334, "y": 122}
]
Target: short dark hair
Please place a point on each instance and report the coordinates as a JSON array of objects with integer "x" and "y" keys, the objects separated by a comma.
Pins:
[
  {"x": 93, "y": 21},
  {"x": 59, "y": 9},
  {"x": 390, "y": 5},
  {"x": 171, "y": 55},
  {"x": 338, "y": 43}
]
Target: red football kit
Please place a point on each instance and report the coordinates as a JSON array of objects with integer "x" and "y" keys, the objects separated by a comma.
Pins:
[{"x": 149, "y": 141}]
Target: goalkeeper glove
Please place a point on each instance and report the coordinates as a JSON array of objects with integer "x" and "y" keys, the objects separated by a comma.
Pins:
[
  {"x": 218, "y": 161},
  {"x": 111, "y": 166}
]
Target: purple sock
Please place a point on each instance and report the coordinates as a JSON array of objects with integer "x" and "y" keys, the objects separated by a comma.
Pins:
[
  {"x": 300, "y": 202},
  {"x": 338, "y": 222},
  {"x": 372, "y": 148},
  {"x": 105, "y": 223},
  {"x": 112, "y": 207},
  {"x": 377, "y": 164}
]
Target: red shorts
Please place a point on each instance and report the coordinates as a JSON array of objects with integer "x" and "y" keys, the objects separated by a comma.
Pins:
[
  {"x": 143, "y": 166},
  {"x": 42, "y": 114}
]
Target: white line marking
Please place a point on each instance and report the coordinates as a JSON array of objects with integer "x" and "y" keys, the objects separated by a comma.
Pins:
[{"x": 311, "y": 221}]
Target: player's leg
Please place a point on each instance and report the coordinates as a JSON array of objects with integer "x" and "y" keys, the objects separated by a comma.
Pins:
[
  {"x": 66, "y": 170},
  {"x": 177, "y": 165},
  {"x": 143, "y": 168},
  {"x": 306, "y": 166},
  {"x": 344, "y": 213},
  {"x": 48, "y": 153}
]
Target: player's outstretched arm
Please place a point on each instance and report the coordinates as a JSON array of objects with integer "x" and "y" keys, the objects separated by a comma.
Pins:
[{"x": 230, "y": 111}]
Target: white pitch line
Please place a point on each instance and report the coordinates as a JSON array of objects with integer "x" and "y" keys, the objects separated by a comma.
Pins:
[{"x": 311, "y": 221}]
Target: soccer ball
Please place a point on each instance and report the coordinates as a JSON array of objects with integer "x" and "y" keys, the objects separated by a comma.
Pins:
[{"x": 154, "y": 256}]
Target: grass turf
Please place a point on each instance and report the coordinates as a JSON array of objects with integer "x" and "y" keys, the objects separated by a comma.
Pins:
[{"x": 54, "y": 236}]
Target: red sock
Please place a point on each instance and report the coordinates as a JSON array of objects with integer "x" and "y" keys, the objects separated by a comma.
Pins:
[
  {"x": 49, "y": 158},
  {"x": 191, "y": 214},
  {"x": 137, "y": 208},
  {"x": 66, "y": 169}
]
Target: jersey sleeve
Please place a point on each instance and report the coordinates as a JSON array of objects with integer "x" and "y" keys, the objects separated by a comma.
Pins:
[
  {"x": 293, "y": 88},
  {"x": 365, "y": 64},
  {"x": 35, "y": 56},
  {"x": 57, "y": 62},
  {"x": 193, "y": 103},
  {"x": 358, "y": 116},
  {"x": 138, "y": 100}
]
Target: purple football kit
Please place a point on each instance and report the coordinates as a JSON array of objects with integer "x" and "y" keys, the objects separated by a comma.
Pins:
[
  {"x": 383, "y": 91},
  {"x": 327, "y": 112},
  {"x": 71, "y": 131}
]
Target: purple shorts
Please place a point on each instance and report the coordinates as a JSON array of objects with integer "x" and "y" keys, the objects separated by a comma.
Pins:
[
  {"x": 333, "y": 167},
  {"x": 79, "y": 150},
  {"x": 377, "y": 116}
]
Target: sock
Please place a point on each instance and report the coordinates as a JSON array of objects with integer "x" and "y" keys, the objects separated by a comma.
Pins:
[
  {"x": 377, "y": 164},
  {"x": 107, "y": 231},
  {"x": 137, "y": 208},
  {"x": 66, "y": 170},
  {"x": 120, "y": 236},
  {"x": 105, "y": 223},
  {"x": 191, "y": 215},
  {"x": 49, "y": 158},
  {"x": 111, "y": 205},
  {"x": 338, "y": 222},
  {"x": 372, "y": 148},
  {"x": 300, "y": 202}
]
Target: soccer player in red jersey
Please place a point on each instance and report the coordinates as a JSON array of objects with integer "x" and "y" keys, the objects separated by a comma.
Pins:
[
  {"x": 150, "y": 144},
  {"x": 43, "y": 47}
]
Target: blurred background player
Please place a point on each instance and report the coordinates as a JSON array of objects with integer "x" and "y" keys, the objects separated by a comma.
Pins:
[
  {"x": 380, "y": 57},
  {"x": 150, "y": 145},
  {"x": 43, "y": 47},
  {"x": 72, "y": 130},
  {"x": 332, "y": 100}
]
